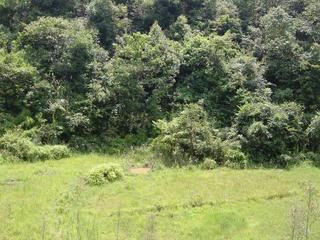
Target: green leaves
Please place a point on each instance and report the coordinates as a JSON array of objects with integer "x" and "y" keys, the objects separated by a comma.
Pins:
[
  {"x": 110, "y": 19},
  {"x": 188, "y": 138},
  {"x": 16, "y": 79},
  {"x": 270, "y": 130},
  {"x": 141, "y": 75},
  {"x": 313, "y": 133},
  {"x": 59, "y": 47}
]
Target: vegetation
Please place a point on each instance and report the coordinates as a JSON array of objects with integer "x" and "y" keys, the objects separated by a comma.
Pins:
[
  {"x": 184, "y": 93},
  {"x": 97, "y": 73},
  {"x": 20, "y": 148},
  {"x": 51, "y": 199},
  {"x": 104, "y": 173}
]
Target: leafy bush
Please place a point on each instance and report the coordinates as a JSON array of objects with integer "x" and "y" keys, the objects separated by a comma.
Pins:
[
  {"x": 235, "y": 159},
  {"x": 188, "y": 138},
  {"x": 268, "y": 130},
  {"x": 209, "y": 164},
  {"x": 56, "y": 151},
  {"x": 104, "y": 173},
  {"x": 311, "y": 158},
  {"x": 313, "y": 133},
  {"x": 15, "y": 146}
]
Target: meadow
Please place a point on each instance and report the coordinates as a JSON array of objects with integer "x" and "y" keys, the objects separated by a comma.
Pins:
[{"x": 49, "y": 200}]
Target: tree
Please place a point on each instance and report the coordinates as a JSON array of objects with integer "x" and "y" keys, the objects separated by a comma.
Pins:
[
  {"x": 214, "y": 71},
  {"x": 311, "y": 21},
  {"x": 67, "y": 54},
  {"x": 57, "y": 7},
  {"x": 140, "y": 78},
  {"x": 282, "y": 53},
  {"x": 165, "y": 12},
  {"x": 309, "y": 86},
  {"x": 16, "y": 78},
  {"x": 227, "y": 19},
  {"x": 61, "y": 49},
  {"x": 110, "y": 19},
  {"x": 180, "y": 29}
]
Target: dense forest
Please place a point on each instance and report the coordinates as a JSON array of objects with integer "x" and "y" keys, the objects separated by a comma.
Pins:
[{"x": 237, "y": 81}]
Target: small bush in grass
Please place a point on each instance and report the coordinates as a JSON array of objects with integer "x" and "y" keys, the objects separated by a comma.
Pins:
[
  {"x": 104, "y": 173},
  {"x": 209, "y": 164},
  {"x": 235, "y": 159}
]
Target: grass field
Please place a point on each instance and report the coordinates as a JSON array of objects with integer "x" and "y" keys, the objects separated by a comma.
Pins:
[{"x": 50, "y": 201}]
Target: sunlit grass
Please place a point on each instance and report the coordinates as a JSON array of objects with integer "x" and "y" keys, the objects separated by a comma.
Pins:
[{"x": 50, "y": 201}]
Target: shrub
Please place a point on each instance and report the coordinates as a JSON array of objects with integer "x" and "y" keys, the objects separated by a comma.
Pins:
[
  {"x": 209, "y": 164},
  {"x": 311, "y": 158},
  {"x": 187, "y": 138},
  {"x": 268, "y": 130},
  {"x": 235, "y": 159},
  {"x": 16, "y": 146},
  {"x": 56, "y": 151},
  {"x": 191, "y": 138},
  {"x": 313, "y": 133},
  {"x": 104, "y": 173}
]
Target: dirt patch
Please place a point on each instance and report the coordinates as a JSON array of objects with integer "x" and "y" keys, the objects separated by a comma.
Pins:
[{"x": 140, "y": 171}]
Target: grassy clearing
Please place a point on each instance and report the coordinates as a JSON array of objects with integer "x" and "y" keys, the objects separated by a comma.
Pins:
[{"x": 48, "y": 200}]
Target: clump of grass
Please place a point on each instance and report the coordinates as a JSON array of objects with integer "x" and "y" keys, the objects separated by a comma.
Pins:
[
  {"x": 195, "y": 201},
  {"x": 69, "y": 197},
  {"x": 151, "y": 228},
  {"x": 305, "y": 214},
  {"x": 142, "y": 156}
]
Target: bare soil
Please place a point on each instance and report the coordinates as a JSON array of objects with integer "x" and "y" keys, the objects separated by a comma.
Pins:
[{"x": 140, "y": 171}]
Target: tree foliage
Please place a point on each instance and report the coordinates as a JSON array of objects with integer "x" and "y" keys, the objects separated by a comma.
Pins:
[{"x": 102, "y": 71}]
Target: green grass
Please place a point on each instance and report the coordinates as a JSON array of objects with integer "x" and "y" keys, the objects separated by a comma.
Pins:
[{"x": 49, "y": 200}]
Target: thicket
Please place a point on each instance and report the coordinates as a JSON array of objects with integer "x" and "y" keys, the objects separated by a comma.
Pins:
[
  {"x": 18, "y": 147},
  {"x": 97, "y": 75}
]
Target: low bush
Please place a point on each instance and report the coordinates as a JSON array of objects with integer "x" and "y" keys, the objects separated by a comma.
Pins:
[
  {"x": 55, "y": 152},
  {"x": 190, "y": 138},
  {"x": 269, "y": 131},
  {"x": 307, "y": 157},
  {"x": 187, "y": 138},
  {"x": 209, "y": 164},
  {"x": 104, "y": 173},
  {"x": 110, "y": 144},
  {"x": 17, "y": 147},
  {"x": 235, "y": 159},
  {"x": 313, "y": 133}
]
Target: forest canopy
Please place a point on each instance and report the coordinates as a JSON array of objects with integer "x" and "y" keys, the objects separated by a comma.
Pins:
[{"x": 241, "y": 78}]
